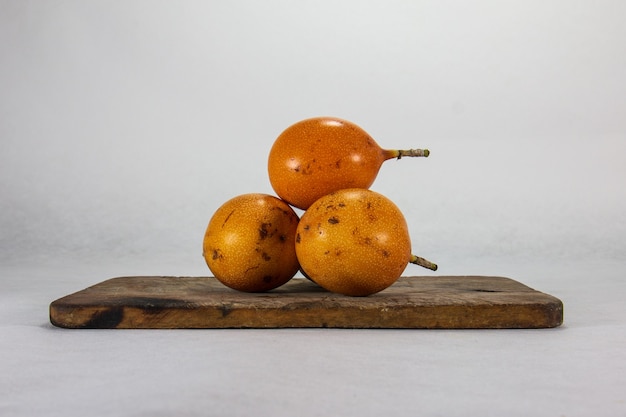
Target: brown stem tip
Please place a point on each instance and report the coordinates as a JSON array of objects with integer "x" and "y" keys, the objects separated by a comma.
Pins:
[
  {"x": 413, "y": 152},
  {"x": 423, "y": 263}
]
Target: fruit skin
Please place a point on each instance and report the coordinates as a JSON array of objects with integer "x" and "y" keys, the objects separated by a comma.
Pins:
[
  {"x": 317, "y": 156},
  {"x": 353, "y": 242},
  {"x": 249, "y": 243}
]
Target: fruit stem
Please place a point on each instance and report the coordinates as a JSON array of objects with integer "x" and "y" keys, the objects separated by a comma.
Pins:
[
  {"x": 423, "y": 263},
  {"x": 395, "y": 153}
]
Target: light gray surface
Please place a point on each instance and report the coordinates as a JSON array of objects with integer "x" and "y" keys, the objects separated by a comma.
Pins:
[
  {"x": 123, "y": 126},
  {"x": 575, "y": 370}
]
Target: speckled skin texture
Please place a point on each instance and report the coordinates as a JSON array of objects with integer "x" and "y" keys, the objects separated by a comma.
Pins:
[
  {"x": 317, "y": 156},
  {"x": 249, "y": 243},
  {"x": 354, "y": 242}
]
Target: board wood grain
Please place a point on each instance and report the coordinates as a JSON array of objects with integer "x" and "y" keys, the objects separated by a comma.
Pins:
[{"x": 427, "y": 302}]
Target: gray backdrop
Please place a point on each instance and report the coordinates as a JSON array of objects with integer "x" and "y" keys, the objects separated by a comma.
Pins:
[{"x": 124, "y": 125}]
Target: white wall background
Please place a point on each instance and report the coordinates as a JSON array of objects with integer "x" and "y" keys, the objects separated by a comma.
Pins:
[{"x": 124, "y": 125}]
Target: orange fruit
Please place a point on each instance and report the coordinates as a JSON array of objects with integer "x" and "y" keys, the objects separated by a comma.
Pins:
[
  {"x": 354, "y": 242},
  {"x": 249, "y": 243},
  {"x": 317, "y": 156}
]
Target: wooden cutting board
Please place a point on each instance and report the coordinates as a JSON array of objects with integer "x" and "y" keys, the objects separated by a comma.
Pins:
[{"x": 429, "y": 302}]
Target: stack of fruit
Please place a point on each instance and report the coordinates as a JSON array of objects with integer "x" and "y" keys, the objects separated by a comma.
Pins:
[{"x": 350, "y": 240}]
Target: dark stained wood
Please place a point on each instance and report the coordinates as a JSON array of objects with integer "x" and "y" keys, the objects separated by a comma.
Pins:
[{"x": 432, "y": 302}]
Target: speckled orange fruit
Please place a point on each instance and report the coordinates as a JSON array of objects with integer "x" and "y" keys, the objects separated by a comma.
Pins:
[
  {"x": 317, "y": 156},
  {"x": 249, "y": 243},
  {"x": 354, "y": 242}
]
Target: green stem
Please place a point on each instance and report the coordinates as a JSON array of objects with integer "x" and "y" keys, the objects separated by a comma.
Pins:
[{"x": 423, "y": 263}]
